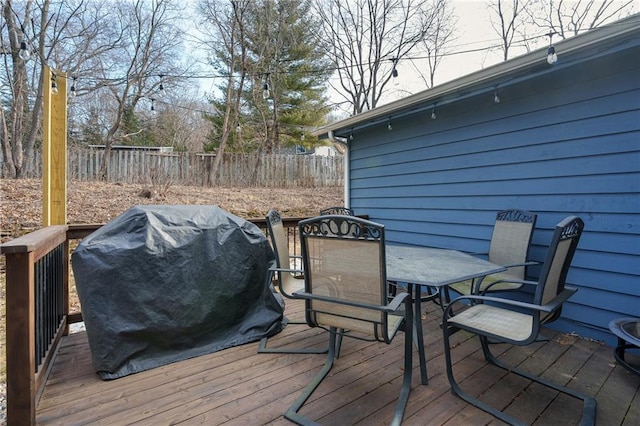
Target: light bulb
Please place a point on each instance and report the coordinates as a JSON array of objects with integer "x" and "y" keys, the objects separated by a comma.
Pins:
[
  {"x": 552, "y": 58},
  {"x": 238, "y": 129},
  {"x": 394, "y": 73},
  {"x": 24, "y": 51},
  {"x": 153, "y": 106},
  {"x": 162, "y": 91},
  {"x": 265, "y": 91},
  {"x": 433, "y": 114},
  {"x": 54, "y": 84},
  {"x": 389, "y": 126},
  {"x": 496, "y": 98},
  {"x": 72, "y": 90}
]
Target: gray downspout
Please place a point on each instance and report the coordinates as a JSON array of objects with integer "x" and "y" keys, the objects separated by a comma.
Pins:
[{"x": 347, "y": 187}]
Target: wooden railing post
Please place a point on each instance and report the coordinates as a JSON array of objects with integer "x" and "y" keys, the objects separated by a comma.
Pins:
[
  {"x": 26, "y": 375},
  {"x": 21, "y": 365}
]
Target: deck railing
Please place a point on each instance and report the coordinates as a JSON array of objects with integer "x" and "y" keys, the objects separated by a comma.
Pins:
[
  {"x": 37, "y": 288},
  {"x": 38, "y": 316}
]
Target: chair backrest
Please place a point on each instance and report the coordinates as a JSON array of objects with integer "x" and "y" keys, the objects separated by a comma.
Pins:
[
  {"x": 337, "y": 210},
  {"x": 288, "y": 282},
  {"x": 557, "y": 262},
  {"x": 278, "y": 238},
  {"x": 344, "y": 258},
  {"x": 511, "y": 240}
]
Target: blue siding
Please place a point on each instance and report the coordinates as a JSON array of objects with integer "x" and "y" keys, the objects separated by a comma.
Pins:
[{"x": 563, "y": 142}]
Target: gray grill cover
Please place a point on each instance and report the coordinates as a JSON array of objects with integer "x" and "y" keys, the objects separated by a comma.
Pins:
[{"x": 160, "y": 284}]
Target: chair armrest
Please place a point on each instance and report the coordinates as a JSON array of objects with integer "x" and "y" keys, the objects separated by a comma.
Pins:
[
  {"x": 512, "y": 281},
  {"x": 297, "y": 274},
  {"x": 390, "y": 308},
  {"x": 398, "y": 300},
  {"x": 553, "y": 305},
  {"x": 293, "y": 271},
  {"x": 528, "y": 263}
]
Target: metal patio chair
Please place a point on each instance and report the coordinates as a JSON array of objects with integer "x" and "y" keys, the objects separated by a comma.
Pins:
[
  {"x": 509, "y": 246},
  {"x": 345, "y": 288},
  {"x": 516, "y": 322},
  {"x": 288, "y": 279},
  {"x": 337, "y": 210}
]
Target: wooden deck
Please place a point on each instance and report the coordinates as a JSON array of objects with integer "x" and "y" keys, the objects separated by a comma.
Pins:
[{"x": 239, "y": 386}]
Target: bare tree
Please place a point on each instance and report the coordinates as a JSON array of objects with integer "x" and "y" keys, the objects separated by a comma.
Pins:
[
  {"x": 150, "y": 48},
  {"x": 368, "y": 39},
  {"x": 508, "y": 19},
  {"x": 123, "y": 53},
  {"x": 569, "y": 18},
  {"x": 16, "y": 128},
  {"x": 60, "y": 34},
  {"x": 179, "y": 122},
  {"x": 441, "y": 23},
  {"x": 226, "y": 41}
]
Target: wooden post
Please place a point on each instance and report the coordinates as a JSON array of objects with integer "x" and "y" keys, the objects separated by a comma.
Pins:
[
  {"x": 54, "y": 149},
  {"x": 21, "y": 364}
]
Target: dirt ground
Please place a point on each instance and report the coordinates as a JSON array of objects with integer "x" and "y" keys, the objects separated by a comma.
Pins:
[{"x": 99, "y": 202}]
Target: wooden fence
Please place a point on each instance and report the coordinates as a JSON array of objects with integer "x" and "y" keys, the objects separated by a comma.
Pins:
[{"x": 245, "y": 170}]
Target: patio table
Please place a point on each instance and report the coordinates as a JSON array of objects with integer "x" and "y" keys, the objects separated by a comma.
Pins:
[{"x": 419, "y": 266}]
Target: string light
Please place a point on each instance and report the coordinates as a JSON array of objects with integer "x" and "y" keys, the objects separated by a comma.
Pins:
[
  {"x": 389, "y": 126},
  {"x": 153, "y": 107},
  {"x": 433, "y": 113},
  {"x": 72, "y": 91},
  {"x": 496, "y": 98},
  {"x": 116, "y": 80},
  {"x": 54, "y": 84},
  {"x": 24, "y": 51},
  {"x": 161, "y": 87},
  {"x": 265, "y": 87},
  {"x": 394, "y": 71},
  {"x": 552, "y": 57}
]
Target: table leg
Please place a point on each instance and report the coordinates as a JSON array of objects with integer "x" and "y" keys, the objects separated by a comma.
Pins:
[{"x": 419, "y": 338}]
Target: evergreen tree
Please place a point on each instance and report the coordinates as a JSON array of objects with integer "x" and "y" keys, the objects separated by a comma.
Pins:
[
  {"x": 286, "y": 56},
  {"x": 276, "y": 49}
]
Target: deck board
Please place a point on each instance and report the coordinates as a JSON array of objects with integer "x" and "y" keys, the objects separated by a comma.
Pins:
[{"x": 238, "y": 386}]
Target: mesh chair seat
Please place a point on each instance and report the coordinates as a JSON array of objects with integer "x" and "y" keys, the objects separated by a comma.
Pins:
[
  {"x": 498, "y": 282},
  {"x": 496, "y": 321}
]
